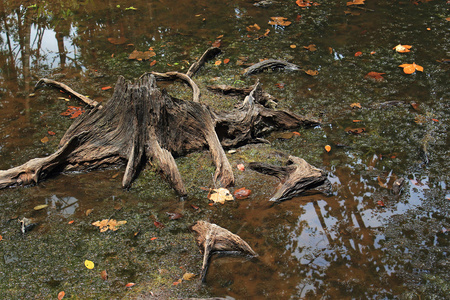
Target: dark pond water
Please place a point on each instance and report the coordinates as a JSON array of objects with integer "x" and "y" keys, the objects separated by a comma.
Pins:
[{"x": 361, "y": 242}]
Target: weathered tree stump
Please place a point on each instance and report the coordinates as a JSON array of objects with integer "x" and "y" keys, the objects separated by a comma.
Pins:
[
  {"x": 212, "y": 238},
  {"x": 141, "y": 123},
  {"x": 297, "y": 177}
]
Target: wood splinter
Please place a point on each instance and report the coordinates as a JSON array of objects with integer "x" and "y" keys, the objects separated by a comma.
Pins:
[
  {"x": 297, "y": 177},
  {"x": 212, "y": 238}
]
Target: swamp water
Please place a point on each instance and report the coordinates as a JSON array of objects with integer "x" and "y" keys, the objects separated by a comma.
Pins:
[{"x": 360, "y": 242}]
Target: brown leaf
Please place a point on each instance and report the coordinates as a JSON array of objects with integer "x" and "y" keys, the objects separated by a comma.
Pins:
[
  {"x": 355, "y": 130},
  {"x": 51, "y": 132},
  {"x": 174, "y": 215},
  {"x": 217, "y": 43},
  {"x": 158, "y": 224},
  {"x": 306, "y": 3},
  {"x": 89, "y": 211},
  {"x": 254, "y": 27},
  {"x": 312, "y": 72},
  {"x": 117, "y": 41},
  {"x": 44, "y": 139},
  {"x": 104, "y": 275},
  {"x": 279, "y": 21},
  {"x": 311, "y": 47},
  {"x": 375, "y": 75},
  {"x": 415, "y": 105},
  {"x": 242, "y": 193}
]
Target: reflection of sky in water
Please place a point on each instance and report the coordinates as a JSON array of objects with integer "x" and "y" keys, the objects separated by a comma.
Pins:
[{"x": 64, "y": 205}]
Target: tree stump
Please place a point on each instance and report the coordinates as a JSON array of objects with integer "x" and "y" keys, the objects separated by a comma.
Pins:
[
  {"x": 212, "y": 238},
  {"x": 297, "y": 177}
]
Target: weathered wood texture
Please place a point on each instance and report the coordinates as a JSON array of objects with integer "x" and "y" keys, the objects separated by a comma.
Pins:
[
  {"x": 296, "y": 177},
  {"x": 212, "y": 238}
]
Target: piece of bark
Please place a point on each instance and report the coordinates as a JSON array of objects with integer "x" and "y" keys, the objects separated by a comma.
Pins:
[
  {"x": 212, "y": 238},
  {"x": 297, "y": 177},
  {"x": 270, "y": 64}
]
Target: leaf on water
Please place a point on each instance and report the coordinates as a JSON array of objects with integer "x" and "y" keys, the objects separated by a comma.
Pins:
[
  {"x": 355, "y": 2},
  {"x": 435, "y": 120},
  {"x": 242, "y": 193},
  {"x": 279, "y": 21},
  {"x": 254, "y": 27},
  {"x": 355, "y": 130},
  {"x": 105, "y": 88},
  {"x": 359, "y": 53},
  {"x": 415, "y": 105},
  {"x": 226, "y": 60},
  {"x": 73, "y": 111},
  {"x": 311, "y": 47},
  {"x": 306, "y": 3},
  {"x": 240, "y": 167},
  {"x": 375, "y": 75},
  {"x": 220, "y": 195},
  {"x": 131, "y": 8},
  {"x": 380, "y": 203},
  {"x": 39, "y": 207},
  {"x": 217, "y": 43},
  {"x": 61, "y": 295},
  {"x": 44, "y": 139},
  {"x": 70, "y": 222},
  {"x": 1, "y": 238},
  {"x": 89, "y": 211},
  {"x": 402, "y": 48},
  {"x": 104, "y": 275},
  {"x": 158, "y": 224},
  {"x": 293, "y": 46},
  {"x": 188, "y": 276},
  {"x": 328, "y": 148},
  {"x": 356, "y": 121},
  {"x": 296, "y": 133},
  {"x": 89, "y": 264},
  {"x": 51, "y": 132},
  {"x": 139, "y": 55},
  {"x": 411, "y": 68},
  {"x": 117, "y": 41},
  {"x": 108, "y": 224},
  {"x": 130, "y": 284},
  {"x": 195, "y": 207},
  {"x": 355, "y": 105},
  {"x": 152, "y": 63},
  {"x": 153, "y": 238},
  {"x": 381, "y": 183},
  {"x": 218, "y": 62},
  {"x": 312, "y": 72},
  {"x": 174, "y": 215}
]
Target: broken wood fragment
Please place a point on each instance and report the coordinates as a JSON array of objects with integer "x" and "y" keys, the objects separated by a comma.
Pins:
[
  {"x": 296, "y": 177},
  {"x": 207, "y": 55},
  {"x": 270, "y": 64},
  {"x": 212, "y": 239}
]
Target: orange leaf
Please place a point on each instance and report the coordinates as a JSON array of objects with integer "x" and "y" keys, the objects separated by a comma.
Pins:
[
  {"x": 311, "y": 47},
  {"x": 356, "y": 2},
  {"x": 375, "y": 75},
  {"x": 218, "y": 62},
  {"x": 216, "y": 43},
  {"x": 358, "y": 53},
  {"x": 411, "y": 68},
  {"x": 328, "y": 148},
  {"x": 306, "y": 3},
  {"x": 51, "y": 132},
  {"x": 279, "y": 21},
  {"x": 356, "y": 121},
  {"x": 241, "y": 167},
  {"x": 104, "y": 275},
  {"x": 61, "y": 295},
  {"x": 293, "y": 46},
  {"x": 129, "y": 284},
  {"x": 153, "y": 238},
  {"x": 402, "y": 48},
  {"x": 242, "y": 193},
  {"x": 435, "y": 120},
  {"x": 254, "y": 27},
  {"x": 355, "y": 105},
  {"x": 158, "y": 224},
  {"x": 380, "y": 203},
  {"x": 44, "y": 139},
  {"x": 70, "y": 222},
  {"x": 296, "y": 133},
  {"x": 152, "y": 63},
  {"x": 312, "y": 72},
  {"x": 1, "y": 238},
  {"x": 226, "y": 60},
  {"x": 415, "y": 105},
  {"x": 106, "y": 88}
]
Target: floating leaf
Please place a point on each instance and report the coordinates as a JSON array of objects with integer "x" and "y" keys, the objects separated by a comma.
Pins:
[
  {"x": 1, "y": 238},
  {"x": 51, "y": 132},
  {"x": 312, "y": 72},
  {"x": 104, "y": 275},
  {"x": 242, "y": 193},
  {"x": 279, "y": 21},
  {"x": 174, "y": 215},
  {"x": 254, "y": 27},
  {"x": 216, "y": 43},
  {"x": 105, "y": 88},
  {"x": 375, "y": 75},
  {"x": 195, "y": 207},
  {"x": 152, "y": 63},
  {"x": 293, "y": 46},
  {"x": 218, "y": 62},
  {"x": 435, "y": 120},
  {"x": 355, "y": 105},
  {"x": 355, "y": 2},
  {"x": 117, "y": 41},
  {"x": 226, "y": 60},
  {"x": 130, "y": 284},
  {"x": 306, "y": 3},
  {"x": 380, "y": 203},
  {"x": 61, "y": 295},
  {"x": 359, "y": 53},
  {"x": 328, "y": 148},
  {"x": 139, "y": 55},
  {"x": 402, "y": 48},
  {"x": 296, "y": 133},
  {"x": 188, "y": 276},
  {"x": 355, "y": 130},
  {"x": 70, "y": 222},
  {"x": 381, "y": 183},
  {"x": 415, "y": 105},
  {"x": 39, "y": 207},
  {"x": 311, "y": 47},
  {"x": 44, "y": 139},
  {"x": 356, "y": 121},
  {"x": 153, "y": 238},
  {"x": 108, "y": 224},
  {"x": 131, "y": 8},
  {"x": 73, "y": 112},
  {"x": 411, "y": 68},
  {"x": 89, "y": 264},
  {"x": 220, "y": 195},
  {"x": 89, "y": 211},
  {"x": 240, "y": 167},
  {"x": 158, "y": 224}
]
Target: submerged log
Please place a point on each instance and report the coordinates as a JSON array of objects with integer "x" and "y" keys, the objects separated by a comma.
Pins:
[
  {"x": 270, "y": 64},
  {"x": 297, "y": 177},
  {"x": 212, "y": 239}
]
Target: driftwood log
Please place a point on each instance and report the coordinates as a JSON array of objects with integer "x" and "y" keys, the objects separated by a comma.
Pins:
[
  {"x": 296, "y": 177},
  {"x": 270, "y": 64},
  {"x": 141, "y": 122},
  {"x": 212, "y": 239}
]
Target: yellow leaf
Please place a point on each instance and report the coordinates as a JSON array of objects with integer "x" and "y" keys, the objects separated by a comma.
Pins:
[
  {"x": 89, "y": 264},
  {"x": 188, "y": 276},
  {"x": 39, "y": 207},
  {"x": 220, "y": 195},
  {"x": 355, "y": 105},
  {"x": 402, "y": 48},
  {"x": 328, "y": 148}
]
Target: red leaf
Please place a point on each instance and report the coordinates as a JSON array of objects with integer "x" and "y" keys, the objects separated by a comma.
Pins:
[
  {"x": 226, "y": 60},
  {"x": 130, "y": 284},
  {"x": 153, "y": 62},
  {"x": 51, "y": 132},
  {"x": 380, "y": 203},
  {"x": 1, "y": 238},
  {"x": 106, "y": 88},
  {"x": 242, "y": 193},
  {"x": 375, "y": 75},
  {"x": 358, "y": 53},
  {"x": 436, "y": 120},
  {"x": 153, "y": 238},
  {"x": 158, "y": 224}
]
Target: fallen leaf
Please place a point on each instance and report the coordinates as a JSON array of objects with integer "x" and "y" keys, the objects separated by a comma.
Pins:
[
  {"x": 411, "y": 68},
  {"x": 139, "y": 55},
  {"x": 355, "y": 130},
  {"x": 279, "y": 21},
  {"x": 104, "y": 275},
  {"x": 355, "y": 2},
  {"x": 1, "y": 238},
  {"x": 254, "y": 27},
  {"x": 152, "y": 63},
  {"x": 39, "y": 207},
  {"x": 61, "y": 295},
  {"x": 240, "y": 167},
  {"x": 328, "y": 148},
  {"x": 105, "y": 88},
  {"x": 108, "y": 224},
  {"x": 177, "y": 282},
  {"x": 194, "y": 207},
  {"x": 73, "y": 112},
  {"x": 381, "y": 183},
  {"x": 89, "y": 264},
  {"x": 89, "y": 211},
  {"x": 402, "y": 48},
  {"x": 174, "y": 215},
  {"x": 372, "y": 53},
  {"x": 356, "y": 121},
  {"x": 242, "y": 193},
  {"x": 311, "y": 47},
  {"x": 355, "y": 105},
  {"x": 359, "y": 53},
  {"x": 217, "y": 43},
  {"x": 306, "y": 3},
  {"x": 280, "y": 85},
  {"x": 188, "y": 276},
  {"x": 70, "y": 222},
  {"x": 312, "y": 72},
  {"x": 296, "y": 133},
  {"x": 130, "y": 284},
  {"x": 220, "y": 195},
  {"x": 117, "y": 41},
  {"x": 153, "y": 238},
  {"x": 44, "y": 139},
  {"x": 158, "y": 224},
  {"x": 375, "y": 75},
  {"x": 435, "y": 120},
  {"x": 226, "y": 60},
  {"x": 218, "y": 62},
  {"x": 51, "y": 132},
  {"x": 380, "y": 203},
  {"x": 293, "y": 46},
  {"x": 415, "y": 105}
]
